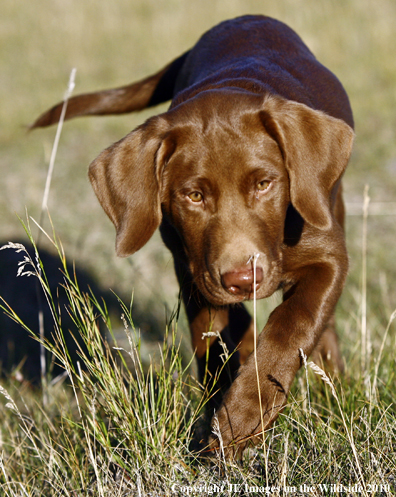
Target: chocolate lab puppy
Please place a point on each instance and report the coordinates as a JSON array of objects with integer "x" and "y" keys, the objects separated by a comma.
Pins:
[{"x": 243, "y": 169}]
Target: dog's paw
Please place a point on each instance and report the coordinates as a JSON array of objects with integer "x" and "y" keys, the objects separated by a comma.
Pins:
[{"x": 240, "y": 421}]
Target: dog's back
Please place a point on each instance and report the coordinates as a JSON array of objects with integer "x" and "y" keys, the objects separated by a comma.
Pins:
[{"x": 278, "y": 63}]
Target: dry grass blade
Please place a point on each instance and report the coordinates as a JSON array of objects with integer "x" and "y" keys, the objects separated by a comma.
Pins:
[
  {"x": 319, "y": 371},
  {"x": 70, "y": 88}
]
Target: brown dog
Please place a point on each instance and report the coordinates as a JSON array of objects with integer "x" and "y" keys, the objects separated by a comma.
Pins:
[{"x": 247, "y": 162}]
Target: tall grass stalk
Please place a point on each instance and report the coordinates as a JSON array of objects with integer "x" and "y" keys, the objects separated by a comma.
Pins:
[
  {"x": 365, "y": 335},
  {"x": 69, "y": 91},
  {"x": 374, "y": 394},
  {"x": 44, "y": 207},
  {"x": 255, "y": 257}
]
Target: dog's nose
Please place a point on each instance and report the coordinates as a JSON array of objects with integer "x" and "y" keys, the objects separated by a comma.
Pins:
[{"x": 241, "y": 281}]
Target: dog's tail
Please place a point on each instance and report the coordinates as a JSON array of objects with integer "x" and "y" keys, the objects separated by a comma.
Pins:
[{"x": 148, "y": 92}]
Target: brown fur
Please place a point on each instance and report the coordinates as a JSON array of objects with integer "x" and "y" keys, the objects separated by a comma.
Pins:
[{"x": 248, "y": 160}]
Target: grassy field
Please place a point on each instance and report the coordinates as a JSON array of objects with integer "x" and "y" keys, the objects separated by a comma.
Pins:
[{"x": 115, "y": 433}]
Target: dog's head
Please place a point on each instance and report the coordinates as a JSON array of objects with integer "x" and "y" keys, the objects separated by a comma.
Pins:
[{"x": 223, "y": 168}]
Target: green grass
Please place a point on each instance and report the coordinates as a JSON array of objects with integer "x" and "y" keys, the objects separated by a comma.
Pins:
[
  {"x": 121, "y": 428},
  {"x": 116, "y": 428}
]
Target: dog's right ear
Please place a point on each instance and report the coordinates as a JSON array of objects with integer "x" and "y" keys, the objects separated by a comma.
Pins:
[{"x": 126, "y": 178}]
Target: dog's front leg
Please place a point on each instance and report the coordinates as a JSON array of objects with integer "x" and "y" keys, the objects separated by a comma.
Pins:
[{"x": 260, "y": 389}]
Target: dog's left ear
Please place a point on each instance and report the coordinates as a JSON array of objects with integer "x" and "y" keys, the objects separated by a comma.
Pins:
[{"x": 316, "y": 148}]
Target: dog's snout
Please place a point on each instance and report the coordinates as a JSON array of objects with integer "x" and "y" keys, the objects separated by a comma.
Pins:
[{"x": 241, "y": 281}]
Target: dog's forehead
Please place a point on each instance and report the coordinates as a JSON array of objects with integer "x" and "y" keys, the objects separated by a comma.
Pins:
[
  {"x": 215, "y": 116},
  {"x": 216, "y": 108},
  {"x": 227, "y": 143}
]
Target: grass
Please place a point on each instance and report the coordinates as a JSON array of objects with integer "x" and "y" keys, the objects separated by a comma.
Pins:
[
  {"x": 109, "y": 421},
  {"x": 115, "y": 428},
  {"x": 119, "y": 426}
]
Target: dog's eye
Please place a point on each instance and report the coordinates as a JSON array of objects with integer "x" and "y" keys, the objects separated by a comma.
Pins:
[
  {"x": 263, "y": 185},
  {"x": 195, "y": 197}
]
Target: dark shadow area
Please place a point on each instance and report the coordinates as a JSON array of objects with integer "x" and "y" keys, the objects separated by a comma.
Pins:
[{"x": 19, "y": 351}]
